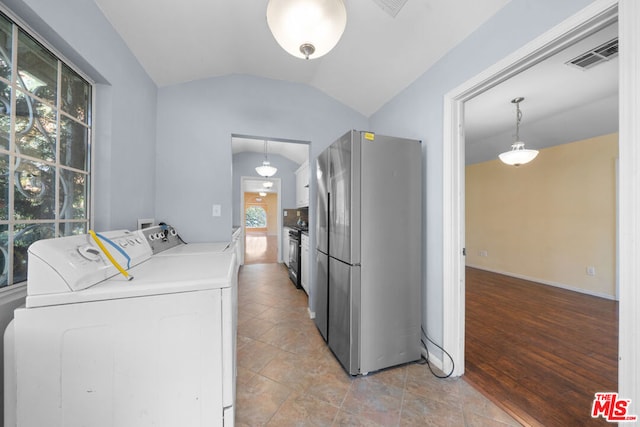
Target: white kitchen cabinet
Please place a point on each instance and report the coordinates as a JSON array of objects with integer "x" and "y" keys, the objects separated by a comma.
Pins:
[
  {"x": 304, "y": 263},
  {"x": 285, "y": 245},
  {"x": 302, "y": 186}
]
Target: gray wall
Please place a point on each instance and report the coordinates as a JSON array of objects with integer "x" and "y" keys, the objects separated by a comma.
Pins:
[
  {"x": 244, "y": 164},
  {"x": 195, "y": 124},
  {"x": 417, "y": 112}
]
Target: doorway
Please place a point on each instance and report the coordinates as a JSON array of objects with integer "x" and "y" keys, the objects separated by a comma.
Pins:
[
  {"x": 588, "y": 20},
  {"x": 261, "y": 227},
  {"x": 276, "y": 193}
]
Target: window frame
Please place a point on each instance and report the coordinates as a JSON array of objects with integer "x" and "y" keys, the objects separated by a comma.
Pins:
[{"x": 62, "y": 61}]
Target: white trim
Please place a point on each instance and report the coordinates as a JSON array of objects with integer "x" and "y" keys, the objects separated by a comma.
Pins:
[
  {"x": 453, "y": 237},
  {"x": 546, "y": 282},
  {"x": 13, "y": 293},
  {"x": 629, "y": 159},
  {"x": 433, "y": 360},
  {"x": 597, "y": 15}
]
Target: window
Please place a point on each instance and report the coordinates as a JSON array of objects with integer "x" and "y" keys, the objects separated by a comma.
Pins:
[
  {"x": 256, "y": 217},
  {"x": 45, "y": 132}
]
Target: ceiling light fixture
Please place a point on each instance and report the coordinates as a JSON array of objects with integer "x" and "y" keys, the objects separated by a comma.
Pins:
[
  {"x": 266, "y": 170},
  {"x": 262, "y": 194},
  {"x": 518, "y": 155},
  {"x": 267, "y": 184},
  {"x": 307, "y": 28}
]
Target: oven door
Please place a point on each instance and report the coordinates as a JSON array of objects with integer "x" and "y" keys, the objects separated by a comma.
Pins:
[{"x": 294, "y": 257}]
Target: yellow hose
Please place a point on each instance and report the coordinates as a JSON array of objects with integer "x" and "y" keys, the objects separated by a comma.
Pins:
[{"x": 111, "y": 258}]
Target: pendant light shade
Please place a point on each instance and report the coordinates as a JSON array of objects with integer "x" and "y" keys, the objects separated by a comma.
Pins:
[
  {"x": 265, "y": 169},
  {"x": 518, "y": 155},
  {"x": 307, "y": 29}
]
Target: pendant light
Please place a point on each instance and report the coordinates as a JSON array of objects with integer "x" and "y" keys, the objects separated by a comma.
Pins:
[
  {"x": 518, "y": 155},
  {"x": 267, "y": 184},
  {"x": 266, "y": 170},
  {"x": 307, "y": 28}
]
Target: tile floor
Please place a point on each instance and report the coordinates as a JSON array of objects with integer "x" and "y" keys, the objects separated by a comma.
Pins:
[{"x": 288, "y": 377}]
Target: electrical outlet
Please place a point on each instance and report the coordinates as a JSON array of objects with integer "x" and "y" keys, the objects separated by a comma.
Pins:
[
  {"x": 217, "y": 210},
  {"x": 483, "y": 253},
  {"x": 591, "y": 271}
]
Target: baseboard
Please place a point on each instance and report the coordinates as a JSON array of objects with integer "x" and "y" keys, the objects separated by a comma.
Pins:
[
  {"x": 545, "y": 282},
  {"x": 433, "y": 361}
]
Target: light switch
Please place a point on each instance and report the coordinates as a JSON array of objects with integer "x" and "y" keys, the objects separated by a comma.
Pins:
[{"x": 217, "y": 210}]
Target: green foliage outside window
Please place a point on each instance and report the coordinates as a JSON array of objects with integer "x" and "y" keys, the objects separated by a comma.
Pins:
[
  {"x": 256, "y": 217},
  {"x": 45, "y": 126}
]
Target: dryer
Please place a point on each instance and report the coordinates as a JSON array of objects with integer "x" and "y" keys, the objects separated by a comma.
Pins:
[{"x": 93, "y": 348}]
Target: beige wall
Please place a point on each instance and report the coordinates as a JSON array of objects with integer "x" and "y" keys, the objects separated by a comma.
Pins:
[
  {"x": 269, "y": 204},
  {"x": 550, "y": 219}
]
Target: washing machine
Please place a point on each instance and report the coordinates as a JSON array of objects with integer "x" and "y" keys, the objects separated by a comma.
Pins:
[
  {"x": 165, "y": 241},
  {"x": 122, "y": 336}
]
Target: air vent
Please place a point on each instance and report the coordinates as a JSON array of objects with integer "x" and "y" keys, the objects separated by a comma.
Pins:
[
  {"x": 602, "y": 53},
  {"x": 392, "y": 7}
]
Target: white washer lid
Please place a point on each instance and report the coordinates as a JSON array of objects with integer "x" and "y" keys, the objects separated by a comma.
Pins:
[
  {"x": 197, "y": 248},
  {"x": 158, "y": 275}
]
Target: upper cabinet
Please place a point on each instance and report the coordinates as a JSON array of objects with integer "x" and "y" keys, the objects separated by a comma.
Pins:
[{"x": 302, "y": 185}]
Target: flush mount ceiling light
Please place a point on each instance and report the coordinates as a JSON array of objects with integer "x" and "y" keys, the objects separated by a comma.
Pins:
[
  {"x": 262, "y": 194},
  {"x": 266, "y": 170},
  {"x": 518, "y": 155},
  {"x": 267, "y": 184},
  {"x": 307, "y": 28}
]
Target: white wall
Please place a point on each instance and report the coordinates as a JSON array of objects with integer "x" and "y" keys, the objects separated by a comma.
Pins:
[{"x": 417, "y": 113}]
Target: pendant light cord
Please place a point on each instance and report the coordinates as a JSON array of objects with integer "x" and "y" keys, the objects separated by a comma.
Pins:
[{"x": 517, "y": 101}]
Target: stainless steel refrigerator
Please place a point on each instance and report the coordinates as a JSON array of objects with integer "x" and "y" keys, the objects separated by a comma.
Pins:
[{"x": 369, "y": 250}]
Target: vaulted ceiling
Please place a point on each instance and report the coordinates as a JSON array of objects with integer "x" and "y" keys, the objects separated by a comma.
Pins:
[{"x": 377, "y": 57}]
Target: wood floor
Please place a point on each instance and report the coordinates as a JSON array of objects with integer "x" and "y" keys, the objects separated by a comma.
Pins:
[
  {"x": 260, "y": 248},
  {"x": 537, "y": 351}
]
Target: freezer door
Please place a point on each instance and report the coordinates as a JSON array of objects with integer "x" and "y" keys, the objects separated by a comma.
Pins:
[
  {"x": 344, "y": 189},
  {"x": 344, "y": 314},
  {"x": 322, "y": 201},
  {"x": 322, "y": 292}
]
